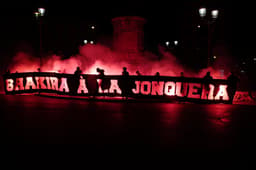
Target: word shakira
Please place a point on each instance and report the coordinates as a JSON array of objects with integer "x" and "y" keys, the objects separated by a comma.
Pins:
[{"x": 93, "y": 85}]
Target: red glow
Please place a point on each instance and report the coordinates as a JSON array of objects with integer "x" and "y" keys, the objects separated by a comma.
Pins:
[
  {"x": 64, "y": 85},
  {"x": 157, "y": 88},
  {"x": 114, "y": 87},
  {"x": 19, "y": 84},
  {"x": 82, "y": 87},
  {"x": 30, "y": 83},
  {"x": 169, "y": 88},
  {"x": 94, "y": 56},
  {"x": 222, "y": 93},
  {"x": 9, "y": 84},
  {"x": 193, "y": 90}
]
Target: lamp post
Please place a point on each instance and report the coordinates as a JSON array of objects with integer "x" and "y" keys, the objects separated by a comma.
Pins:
[
  {"x": 39, "y": 14},
  {"x": 209, "y": 20}
]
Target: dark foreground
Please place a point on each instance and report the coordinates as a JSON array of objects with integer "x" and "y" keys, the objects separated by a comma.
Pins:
[{"x": 183, "y": 135}]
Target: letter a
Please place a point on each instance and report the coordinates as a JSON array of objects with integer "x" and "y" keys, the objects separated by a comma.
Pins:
[
  {"x": 30, "y": 83},
  {"x": 114, "y": 86},
  {"x": 222, "y": 92},
  {"x": 82, "y": 87},
  {"x": 64, "y": 85}
]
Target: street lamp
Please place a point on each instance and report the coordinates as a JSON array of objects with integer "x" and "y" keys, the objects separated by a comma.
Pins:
[
  {"x": 215, "y": 14},
  {"x": 41, "y": 11},
  {"x": 176, "y": 42},
  {"x": 202, "y": 12},
  {"x": 39, "y": 14},
  {"x": 209, "y": 21}
]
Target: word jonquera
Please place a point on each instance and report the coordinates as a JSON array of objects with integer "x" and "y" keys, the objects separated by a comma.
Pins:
[{"x": 150, "y": 88}]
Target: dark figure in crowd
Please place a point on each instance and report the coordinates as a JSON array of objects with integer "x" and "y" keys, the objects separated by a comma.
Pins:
[
  {"x": 125, "y": 83},
  {"x": 157, "y": 75},
  {"x": 232, "y": 81},
  {"x": 104, "y": 82},
  {"x": 92, "y": 85},
  {"x": 74, "y": 81},
  {"x": 207, "y": 80},
  {"x": 181, "y": 74},
  {"x": 138, "y": 73},
  {"x": 78, "y": 71},
  {"x": 125, "y": 72}
]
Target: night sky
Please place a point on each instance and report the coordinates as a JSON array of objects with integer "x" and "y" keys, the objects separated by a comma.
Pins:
[{"x": 66, "y": 24}]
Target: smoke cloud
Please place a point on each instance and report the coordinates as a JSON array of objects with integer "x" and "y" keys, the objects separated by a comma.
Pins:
[{"x": 93, "y": 56}]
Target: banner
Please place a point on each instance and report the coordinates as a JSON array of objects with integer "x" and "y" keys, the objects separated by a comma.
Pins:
[{"x": 151, "y": 87}]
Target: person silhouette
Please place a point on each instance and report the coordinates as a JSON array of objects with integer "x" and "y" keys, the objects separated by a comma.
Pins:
[
  {"x": 125, "y": 72},
  {"x": 78, "y": 71},
  {"x": 207, "y": 80},
  {"x": 125, "y": 83},
  {"x": 181, "y": 74},
  {"x": 138, "y": 73},
  {"x": 74, "y": 81},
  {"x": 232, "y": 81},
  {"x": 103, "y": 83}
]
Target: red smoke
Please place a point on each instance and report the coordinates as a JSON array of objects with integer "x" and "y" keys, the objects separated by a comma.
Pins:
[{"x": 92, "y": 56}]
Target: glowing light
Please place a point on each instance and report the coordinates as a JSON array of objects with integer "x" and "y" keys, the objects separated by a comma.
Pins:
[
  {"x": 215, "y": 14},
  {"x": 37, "y": 14},
  {"x": 208, "y": 94},
  {"x": 48, "y": 83},
  {"x": 214, "y": 57},
  {"x": 194, "y": 90},
  {"x": 91, "y": 42},
  {"x": 167, "y": 43},
  {"x": 114, "y": 87},
  {"x": 137, "y": 89},
  {"x": 202, "y": 12},
  {"x": 169, "y": 88},
  {"x": 157, "y": 88},
  {"x": 41, "y": 11},
  {"x": 145, "y": 87},
  {"x": 254, "y": 59},
  {"x": 222, "y": 93},
  {"x": 19, "y": 84},
  {"x": 64, "y": 85},
  {"x": 30, "y": 83},
  {"x": 152, "y": 88},
  {"x": 9, "y": 86},
  {"x": 176, "y": 42},
  {"x": 85, "y": 41},
  {"x": 40, "y": 83},
  {"x": 82, "y": 87},
  {"x": 198, "y": 26},
  {"x": 92, "y": 27},
  {"x": 54, "y": 83}
]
